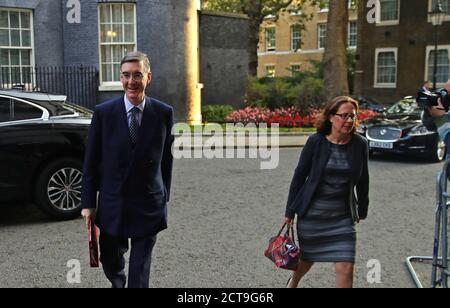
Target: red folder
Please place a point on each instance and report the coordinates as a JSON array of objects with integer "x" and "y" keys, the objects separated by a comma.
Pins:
[{"x": 93, "y": 244}]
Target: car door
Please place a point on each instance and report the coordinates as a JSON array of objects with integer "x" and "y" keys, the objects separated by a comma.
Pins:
[
  {"x": 19, "y": 133},
  {"x": 5, "y": 116}
]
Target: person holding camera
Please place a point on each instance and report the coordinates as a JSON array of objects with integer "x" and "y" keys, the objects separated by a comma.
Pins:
[{"x": 438, "y": 109}]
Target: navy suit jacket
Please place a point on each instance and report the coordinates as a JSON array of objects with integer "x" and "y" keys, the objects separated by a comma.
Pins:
[{"x": 132, "y": 184}]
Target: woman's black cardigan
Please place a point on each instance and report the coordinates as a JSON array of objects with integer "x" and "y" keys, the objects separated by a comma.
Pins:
[{"x": 310, "y": 171}]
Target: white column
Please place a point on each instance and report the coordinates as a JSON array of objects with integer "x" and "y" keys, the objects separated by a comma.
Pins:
[{"x": 192, "y": 60}]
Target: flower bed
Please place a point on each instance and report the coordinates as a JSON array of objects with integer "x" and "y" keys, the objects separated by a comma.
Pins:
[{"x": 289, "y": 118}]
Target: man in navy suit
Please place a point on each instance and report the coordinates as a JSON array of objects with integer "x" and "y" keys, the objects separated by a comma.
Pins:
[{"x": 127, "y": 174}]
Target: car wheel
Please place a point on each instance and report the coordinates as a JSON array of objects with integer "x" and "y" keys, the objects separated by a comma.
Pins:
[
  {"x": 58, "y": 189},
  {"x": 439, "y": 152}
]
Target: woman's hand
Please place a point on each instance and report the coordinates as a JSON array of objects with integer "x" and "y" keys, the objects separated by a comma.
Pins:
[{"x": 289, "y": 222}]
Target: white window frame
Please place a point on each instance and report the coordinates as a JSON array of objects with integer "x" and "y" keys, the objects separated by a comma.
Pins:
[
  {"x": 427, "y": 58},
  {"x": 387, "y": 22},
  {"x": 115, "y": 85},
  {"x": 274, "y": 48},
  {"x": 430, "y": 8},
  {"x": 348, "y": 36},
  {"x": 318, "y": 36},
  {"x": 31, "y": 48},
  {"x": 385, "y": 85},
  {"x": 292, "y": 38}
]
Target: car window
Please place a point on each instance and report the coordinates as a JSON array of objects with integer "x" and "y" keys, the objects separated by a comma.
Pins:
[
  {"x": 5, "y": 109},
  {"x": 24, "y": 111}
]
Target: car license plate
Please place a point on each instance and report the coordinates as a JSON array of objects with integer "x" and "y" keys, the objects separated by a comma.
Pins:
[{"x": 382, "y": 145}]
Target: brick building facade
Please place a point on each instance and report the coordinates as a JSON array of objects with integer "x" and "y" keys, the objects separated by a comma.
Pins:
[
  {"x": 51, "y": 33},
  {"x": 396, "y": 54},
  {"x": 284, "y": 48}
]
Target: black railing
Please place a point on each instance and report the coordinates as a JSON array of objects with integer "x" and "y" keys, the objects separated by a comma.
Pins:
[{"x": 79, "y": 83}]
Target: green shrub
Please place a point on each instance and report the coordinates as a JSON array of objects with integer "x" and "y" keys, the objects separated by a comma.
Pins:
[
  {"x": 278, "y": 91},
  {"x": 309, "y": 94},
  {"x": 256, "y": 93},
  {"x": 216, "y": 113}
]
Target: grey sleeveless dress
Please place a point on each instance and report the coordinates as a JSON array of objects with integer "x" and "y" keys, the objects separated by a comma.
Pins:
[{"x": 327, "y": 232}]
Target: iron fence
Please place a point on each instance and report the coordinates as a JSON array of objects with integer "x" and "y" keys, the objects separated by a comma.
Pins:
[{"x": 79, "y": 83}]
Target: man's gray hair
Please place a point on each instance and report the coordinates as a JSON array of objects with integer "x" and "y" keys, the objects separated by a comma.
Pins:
[{"x": 137, "y": 56}]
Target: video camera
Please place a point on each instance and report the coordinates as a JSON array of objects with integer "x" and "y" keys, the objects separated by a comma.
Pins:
[{"x": 427, "y": 99}]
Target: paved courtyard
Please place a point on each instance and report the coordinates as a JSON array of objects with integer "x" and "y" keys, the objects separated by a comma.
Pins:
[{"x": 222, "y": 214}]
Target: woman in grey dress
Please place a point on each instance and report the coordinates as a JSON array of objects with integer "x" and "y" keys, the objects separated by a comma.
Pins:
[{"x": 333, "y": 165}]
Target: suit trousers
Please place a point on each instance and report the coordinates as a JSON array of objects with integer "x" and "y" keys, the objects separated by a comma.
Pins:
[{"x": 112, "y": 251}]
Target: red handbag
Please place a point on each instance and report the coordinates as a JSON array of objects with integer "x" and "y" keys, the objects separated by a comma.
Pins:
[
  {"x": 283, "y": 251},
  {"x": 93, "y": 244}
]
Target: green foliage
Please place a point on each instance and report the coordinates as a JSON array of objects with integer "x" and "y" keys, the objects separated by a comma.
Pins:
[
  {"x": 258, "y": 8},
  {"x": 310, "y": 93},
  {"x": 257, "y": 93},
  {"x": 229, "y": 6},
  {"x": 216, "y": 113},
  {"x": 303, "y": 91}
]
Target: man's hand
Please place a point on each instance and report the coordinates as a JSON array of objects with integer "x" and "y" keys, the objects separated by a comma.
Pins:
[{"x": 88, "y": 214}]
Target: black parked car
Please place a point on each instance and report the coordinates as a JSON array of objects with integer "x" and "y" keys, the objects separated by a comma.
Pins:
[
  {"x": 42, "y": 142},
  {"x": 369, "y": 104},
  {"x": 400, "y": 130}
]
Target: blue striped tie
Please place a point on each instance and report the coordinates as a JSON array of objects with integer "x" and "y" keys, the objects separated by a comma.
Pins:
[{"x": 134, "y": 125}]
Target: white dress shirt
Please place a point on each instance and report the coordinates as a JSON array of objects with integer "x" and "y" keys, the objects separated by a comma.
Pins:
[{"x": 129, "y": 106}]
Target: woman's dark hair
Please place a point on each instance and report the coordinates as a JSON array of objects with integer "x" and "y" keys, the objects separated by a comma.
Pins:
[{"x": 323, "y": 123}]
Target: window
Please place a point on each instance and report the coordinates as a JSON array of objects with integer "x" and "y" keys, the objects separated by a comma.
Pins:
[
  {"x": 443, "y": 64},
  {"x": 296, "y": 39},
  {"x": 386, "y": 68},
  {"x": 16, "y": 46},
  {"x": 23, "y": 111},
  {"x": 271, "y": 39},
  {"x": 295, "y": 69},
  {"x": 322, "y": 35},
  {"x": 117, "y": 38},
  {"x": 388, "y": 12},
  {"x": 5, "y": 109},
  {"x": 445, "y": 5},
  {"x": 270, "y": 71},
  {"x": 353, "y": 35}
]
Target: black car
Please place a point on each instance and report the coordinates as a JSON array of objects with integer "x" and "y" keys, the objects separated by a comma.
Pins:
[
  {"x": 400, "y": 130},
  {"x": 369, "y": 104},
  {"x": 42, "y": 143}
]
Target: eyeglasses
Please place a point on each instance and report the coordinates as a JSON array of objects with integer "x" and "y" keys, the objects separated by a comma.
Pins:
[
  {"x": 136, "y": 77},
  {"x": 346, "y": 116}
]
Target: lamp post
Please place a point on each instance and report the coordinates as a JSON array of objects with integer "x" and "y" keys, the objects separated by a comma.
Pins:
[{"x": 437, "y": 16}]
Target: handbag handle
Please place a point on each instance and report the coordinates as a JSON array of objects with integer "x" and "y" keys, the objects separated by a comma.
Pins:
[{"x": 289, "y": 231}]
